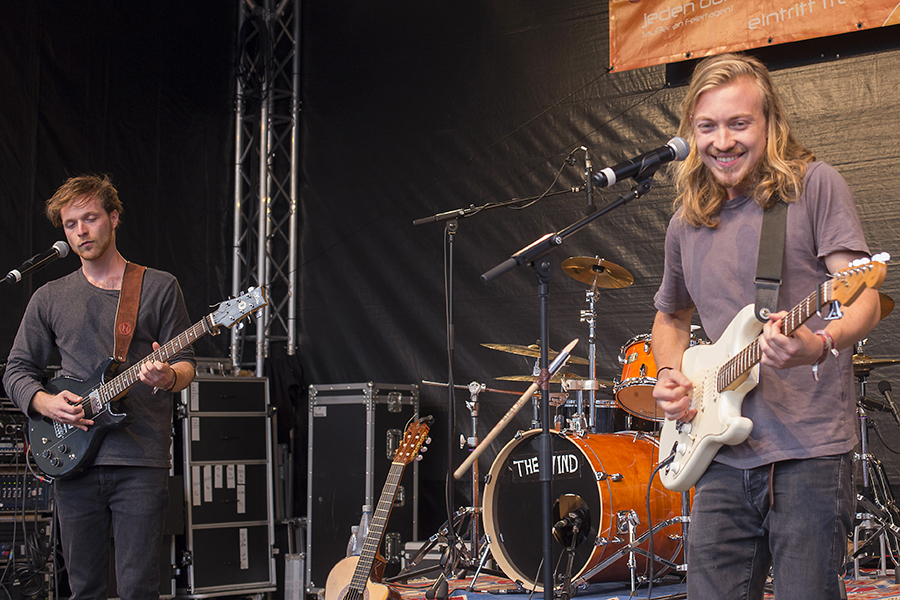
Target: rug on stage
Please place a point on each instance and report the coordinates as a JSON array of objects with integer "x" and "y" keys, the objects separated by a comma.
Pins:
[{"x": 871, "y": 587}]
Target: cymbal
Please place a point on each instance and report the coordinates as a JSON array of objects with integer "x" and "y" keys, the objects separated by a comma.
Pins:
[
  {"x": 530, "y": 378},
  {"x": 863, "y": 363},
  {"x": 555, "y": 379},
  {"x": 534, "y": 351},
  {"x": 597, "y": 272},
  {"x": 887, "y": 305}
]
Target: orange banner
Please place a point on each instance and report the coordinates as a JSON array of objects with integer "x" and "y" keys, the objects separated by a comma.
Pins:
[{"x": 650, "y": 32}]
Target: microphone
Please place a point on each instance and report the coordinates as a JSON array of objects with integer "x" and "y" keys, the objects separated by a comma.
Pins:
[
  {"x": 873, "y": 404},
  {"x": 885, "y": 388},
  {"x": 589, "y": 185},
  {"x": 59, "y": 250},
  {"x": 675, "y": 149},
  {"x": 564, "y": 531}
]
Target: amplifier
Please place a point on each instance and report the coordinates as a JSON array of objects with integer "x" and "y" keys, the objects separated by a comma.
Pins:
[
  {"x": 19, "y": 491},
  {"x": 13, "y": 428}
]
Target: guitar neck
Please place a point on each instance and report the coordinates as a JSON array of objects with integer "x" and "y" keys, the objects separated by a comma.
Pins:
[
  {"x": 119, "y": 385},
  {"x": 747, "y": 358},
  {"x": 376, "y": 528}
]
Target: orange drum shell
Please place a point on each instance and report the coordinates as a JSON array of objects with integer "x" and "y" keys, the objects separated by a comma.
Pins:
[
  {"x": 634, "y": 391},
  {"x": 512, "y": 504}
]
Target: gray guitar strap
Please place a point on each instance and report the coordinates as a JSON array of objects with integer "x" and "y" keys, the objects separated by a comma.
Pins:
[{"x": 771, "y": 257}]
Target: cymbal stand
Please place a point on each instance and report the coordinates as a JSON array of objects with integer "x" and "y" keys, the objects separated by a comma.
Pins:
[
  {"x": 878, "y": 516},
  {"x": 471, "y": 442},
  {"x": 589, "y": 316}
]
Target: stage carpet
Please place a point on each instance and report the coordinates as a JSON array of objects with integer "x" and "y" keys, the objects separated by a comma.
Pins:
[{"x": 487, "y": 587}]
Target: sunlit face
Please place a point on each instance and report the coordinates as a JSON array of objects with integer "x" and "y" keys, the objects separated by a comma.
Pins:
[
  {"x": 89, "y": 229},
  {"x": 731, "y": 133}
]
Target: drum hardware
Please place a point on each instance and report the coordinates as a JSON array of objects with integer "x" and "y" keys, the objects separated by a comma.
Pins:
[
  {"x": 880, "y": 517},
  {"x": 590, "y": 317},
  {"x": 597, "y": 273},
  {"x": 476, "y": 553}
]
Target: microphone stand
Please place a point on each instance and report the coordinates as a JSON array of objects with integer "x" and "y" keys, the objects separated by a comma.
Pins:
[
  {"x": 451, "y": 218},
  {"x": 535, "y": 255}
]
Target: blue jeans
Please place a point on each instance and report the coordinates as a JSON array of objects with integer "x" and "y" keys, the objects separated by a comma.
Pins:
[
  {"x": 736, "y": 532},
  {"x": 131, "y": 500}
]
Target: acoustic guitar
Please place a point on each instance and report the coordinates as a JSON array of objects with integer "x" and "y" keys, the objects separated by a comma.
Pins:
[{"x": 359, "y": 577}]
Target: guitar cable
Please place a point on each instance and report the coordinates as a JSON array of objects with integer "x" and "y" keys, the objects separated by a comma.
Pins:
[{"x": 663, "y": 463}]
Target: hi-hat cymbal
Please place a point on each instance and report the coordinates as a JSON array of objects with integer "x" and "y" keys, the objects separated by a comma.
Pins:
[
  {"x": 887, "y": 305},
  {"x": 864, "y": 364},
  {"x": 597, "y": 272},
  {"x": 534, "y": 351}
]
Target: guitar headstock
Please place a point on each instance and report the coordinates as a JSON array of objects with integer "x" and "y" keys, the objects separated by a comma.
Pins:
[
  {"x": 231, "y": 311},
  {"x": 415, "y": 436},
  {"x": 848, "y": 284}
]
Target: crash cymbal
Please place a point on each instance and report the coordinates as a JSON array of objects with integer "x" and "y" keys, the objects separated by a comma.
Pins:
[
  {"x": 534, "y": 351},
  {"x": 555, "y": 379},
  {"x": 887, "y": 305},
  {"x": 863, "y": 363},
  {"x": 597, "y": 272}
]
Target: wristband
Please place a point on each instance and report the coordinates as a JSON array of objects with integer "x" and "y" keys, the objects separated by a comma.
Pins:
[
  {"x": 827, "y": 347},
  {"x": 661, "y": 369},
  {"x": 174, "y": 381}
]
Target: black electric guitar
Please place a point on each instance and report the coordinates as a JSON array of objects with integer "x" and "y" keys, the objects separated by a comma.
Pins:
[
  {"x": 358, "y": 577},
  {"x": 724, "y": 372},
  {"x": 62, "y": 450}
]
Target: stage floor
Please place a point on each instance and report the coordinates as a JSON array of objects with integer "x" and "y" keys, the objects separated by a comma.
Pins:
[{"x": 869, "y": 587}]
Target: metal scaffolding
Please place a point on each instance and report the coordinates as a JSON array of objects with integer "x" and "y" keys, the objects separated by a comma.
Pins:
[{"x": 267, "y": 155}]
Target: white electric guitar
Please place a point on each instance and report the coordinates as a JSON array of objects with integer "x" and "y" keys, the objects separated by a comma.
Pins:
[{"x": 724, "y": 372}]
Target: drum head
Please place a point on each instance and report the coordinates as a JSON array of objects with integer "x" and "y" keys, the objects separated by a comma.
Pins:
[
  {"x": 513, "y": 503},
  {"x": 516, "y": 500}
]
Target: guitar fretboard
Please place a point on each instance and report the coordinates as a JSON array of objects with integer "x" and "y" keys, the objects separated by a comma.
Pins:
[
  {"x": 747, "y": 358},
  {"x": 376, "y": 529},
  {"x": 118, "y": 385}
]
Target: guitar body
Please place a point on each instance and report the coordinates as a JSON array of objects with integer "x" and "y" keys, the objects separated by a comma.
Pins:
[
  {"x": 723, "y": 373},
  {"x": 337, "y": 587},
  {"x": 718, "y": 421},
  {"x": 63, "y": 451}
]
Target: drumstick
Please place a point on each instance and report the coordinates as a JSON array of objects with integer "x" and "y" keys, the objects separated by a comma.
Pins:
[{"x": 555, "y": 366}]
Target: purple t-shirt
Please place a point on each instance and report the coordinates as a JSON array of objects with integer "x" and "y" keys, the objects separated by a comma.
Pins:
[{"x": 793, "y": 415}]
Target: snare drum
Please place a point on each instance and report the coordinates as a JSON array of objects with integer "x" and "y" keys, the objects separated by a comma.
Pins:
[
  {"x": 609, "y": 472},
  {"x": 634, "y": 392}
]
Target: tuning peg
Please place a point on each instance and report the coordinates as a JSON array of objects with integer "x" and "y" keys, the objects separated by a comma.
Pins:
[
  {"x": 882, "y": 257},
  {"x": 418, "y": 457}
]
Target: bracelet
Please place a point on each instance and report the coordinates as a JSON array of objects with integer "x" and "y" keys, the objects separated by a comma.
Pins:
[
  {"x": 661, "y": 369},
  {"x": 827, "y": 347},
  {"x": 174, "y": 381}
]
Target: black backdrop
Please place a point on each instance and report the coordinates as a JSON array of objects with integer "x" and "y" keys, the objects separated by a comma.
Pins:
[{"x": 409, "y": 109}]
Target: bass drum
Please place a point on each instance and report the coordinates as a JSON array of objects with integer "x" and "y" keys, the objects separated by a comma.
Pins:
[{"x": 609, "y": 472}]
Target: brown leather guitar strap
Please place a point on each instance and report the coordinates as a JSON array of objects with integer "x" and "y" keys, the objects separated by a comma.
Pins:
[{"x": 126, "y": 313}]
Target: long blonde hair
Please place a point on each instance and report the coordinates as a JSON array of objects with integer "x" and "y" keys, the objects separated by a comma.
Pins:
[{"x": 780, "y": 171}]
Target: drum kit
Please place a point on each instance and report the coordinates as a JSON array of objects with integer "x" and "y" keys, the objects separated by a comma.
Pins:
[
  {"x": 614, "y": 519},
  {"x": 604, "y": 452}
]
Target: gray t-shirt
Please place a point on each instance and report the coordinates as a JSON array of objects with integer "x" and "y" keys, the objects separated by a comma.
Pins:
[
  {"x": 78, "y": 318},
  {"x": 793, "y": 415}
]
